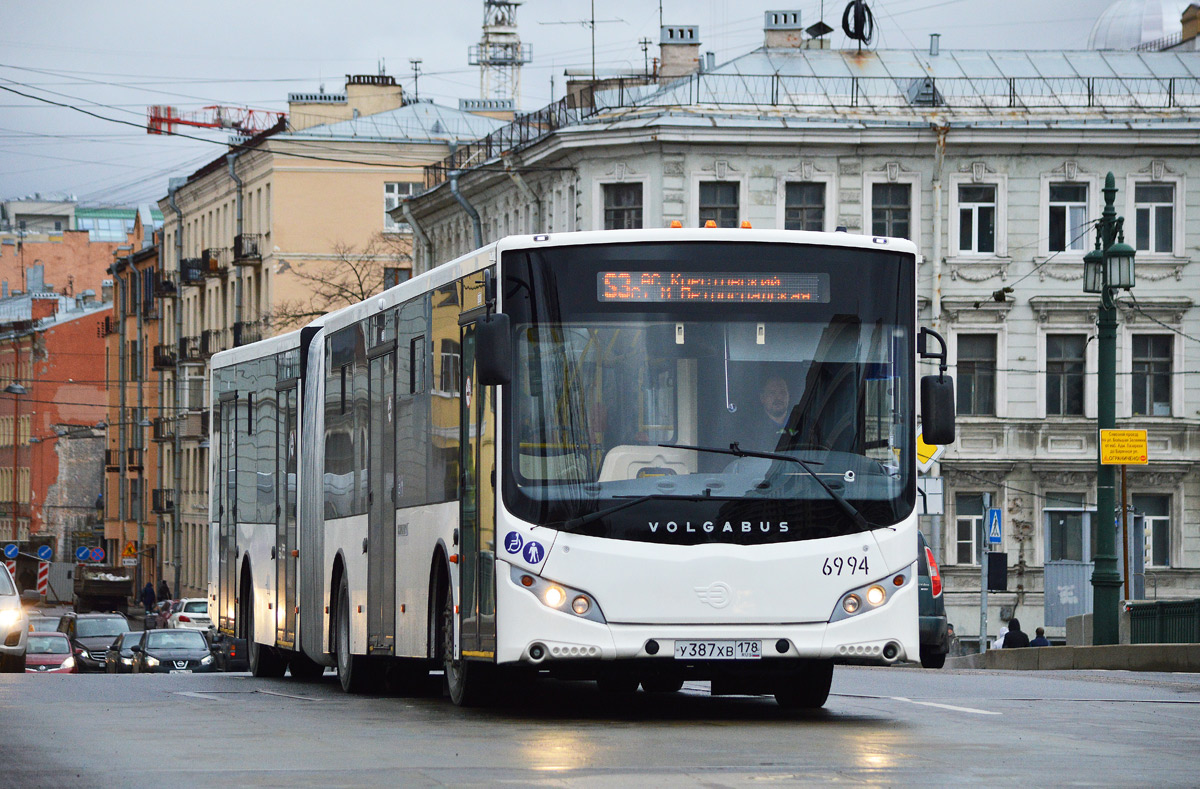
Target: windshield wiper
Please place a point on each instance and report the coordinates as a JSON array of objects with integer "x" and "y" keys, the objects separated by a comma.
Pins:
[
  {"x": 737, "y": 451},
  {"x": 574, "y": 524}
]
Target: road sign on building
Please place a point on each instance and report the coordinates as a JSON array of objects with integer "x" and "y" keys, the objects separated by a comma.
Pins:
[
  {"x": 130, "y": 551},
  {"x": 994, "y": 528},
  {"x": 1123, "y": 448}
]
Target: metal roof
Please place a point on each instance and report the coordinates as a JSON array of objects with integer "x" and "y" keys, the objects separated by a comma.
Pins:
[
  {"x": 421, "y": 121},
  {"x": 972, "y": 82}
]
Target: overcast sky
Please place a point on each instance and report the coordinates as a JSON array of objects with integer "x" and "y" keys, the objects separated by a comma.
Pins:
[{"x": 114, "y": 58}]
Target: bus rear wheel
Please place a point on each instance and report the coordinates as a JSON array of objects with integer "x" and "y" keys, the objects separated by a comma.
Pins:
[
  {"x": 304, "y": 668},
  {"x": 807, "y": 688},
  {"x": 353, "y": 670}
]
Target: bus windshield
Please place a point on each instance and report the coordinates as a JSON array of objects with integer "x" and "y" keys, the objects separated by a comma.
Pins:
[{"x": 638, "y": 367}]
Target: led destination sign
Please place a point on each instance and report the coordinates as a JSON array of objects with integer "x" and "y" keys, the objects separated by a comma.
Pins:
[{"x": 663, "y": 286}]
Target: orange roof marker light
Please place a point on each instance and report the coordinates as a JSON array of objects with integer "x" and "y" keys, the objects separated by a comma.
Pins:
[
  {"x": 710, "y": 223},
  {"x": 676, "y": 223},
  {"x": 745, "y": 224}
]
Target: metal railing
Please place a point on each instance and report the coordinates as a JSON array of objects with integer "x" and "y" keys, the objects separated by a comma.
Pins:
[
  {"x": 162, "y": 429},
  {"x": 246, "y": 332},
  {"x": 162, "y": 500},
  {"x": 112, "y": 458},
  {"x": 246, "y": 249},
  {"x": 211, "y": 341},
  {"x": 133, "y": 457},
  {"x": 164, "y": 357},
  {"x": 189, "y": 349},
  {"x": 1164, "y": 622}
]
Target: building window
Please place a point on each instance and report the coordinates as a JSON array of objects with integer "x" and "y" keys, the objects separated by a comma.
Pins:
[
  {"x": 804, "y": 206},
  {"x": 1152, "y": 374},
  {"x": 891, "y": 210},
  {"x": 1156, "y": 525},
  {"x": 393, "y": 193},
  {"x": 977, "y": 218},
  {"x": 968, "y": 525},
  {"x": 622, "y": 206},
  {"x": 719, "y": 203},
  {"x": 1154, "y": 217},
  {"x": 977, "y": 374},
  {"x": 1068, "y": 217},
  {"x": 1065, "y": 524},
  {"x": 393, "y": 276},
  {"x": 1064, "y": 374}
]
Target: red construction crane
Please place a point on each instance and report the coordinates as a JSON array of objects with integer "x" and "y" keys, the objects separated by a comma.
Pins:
[{"x": 162, "y": 119}]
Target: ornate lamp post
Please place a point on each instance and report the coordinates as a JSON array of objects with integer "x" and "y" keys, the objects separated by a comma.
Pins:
[{"x": 1105, "y": 269}]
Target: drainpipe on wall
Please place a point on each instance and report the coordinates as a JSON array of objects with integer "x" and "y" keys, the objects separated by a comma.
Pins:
[
  {"x": 422, "y": 238},
  {"x": 470, "y": 209},
  {"x": 939, "y": 156},
  {"x": 177, "y": 443},
  {"x": 237, "y": 292},
  {"x": 529, "y": 194}
]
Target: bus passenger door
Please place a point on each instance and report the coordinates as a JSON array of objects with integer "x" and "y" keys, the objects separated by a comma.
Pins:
[
  {"x": 285, "y": 517},
  {"x": 477, "y": 516},
  {"x": 227, "y": 512},
  {"x": 381, "y": 505}
]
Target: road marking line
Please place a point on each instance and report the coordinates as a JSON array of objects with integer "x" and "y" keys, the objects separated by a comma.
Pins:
[
  {"x": 946, "y": 706},
  {"x": 195, "y": 695},
  {"x": 286, "y": 695}
]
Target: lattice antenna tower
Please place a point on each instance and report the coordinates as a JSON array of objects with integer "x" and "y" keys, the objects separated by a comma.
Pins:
[{"x": 500, "y": 53}]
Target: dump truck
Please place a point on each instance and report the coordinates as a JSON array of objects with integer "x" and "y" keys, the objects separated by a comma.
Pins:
[{"x": 102, "y": 588}]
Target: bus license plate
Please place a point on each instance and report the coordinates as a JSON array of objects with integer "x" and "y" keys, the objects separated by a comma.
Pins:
[{"x": 718, "y": 650}]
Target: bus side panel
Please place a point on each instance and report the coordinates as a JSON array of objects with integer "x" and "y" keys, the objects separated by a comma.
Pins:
[
  {"x": 349, "y": 535},
  {"x": 418, "y": 532},
  {"x": 256, "y": 540},
  {"x": 312, "y": 581}
]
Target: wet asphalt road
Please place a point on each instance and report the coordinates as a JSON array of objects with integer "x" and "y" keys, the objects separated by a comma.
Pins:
[{"x": 899, "y": 726}]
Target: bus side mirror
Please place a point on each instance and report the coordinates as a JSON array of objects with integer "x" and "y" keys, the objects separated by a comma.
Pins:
[
  {"x": 937, "y": 393},
  {"x": 493, "y": 350}
]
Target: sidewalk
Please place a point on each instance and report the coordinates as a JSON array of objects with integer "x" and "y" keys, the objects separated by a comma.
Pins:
[{"x": 1117, "y": 657}]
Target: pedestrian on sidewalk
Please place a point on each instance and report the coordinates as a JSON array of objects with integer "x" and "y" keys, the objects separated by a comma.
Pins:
[
  {"x": 164, "y": 591},
  {"x": 1040, "y": 640},
  {"x": 1014, "y": 638},
  {"x": 148, "y": 598}
]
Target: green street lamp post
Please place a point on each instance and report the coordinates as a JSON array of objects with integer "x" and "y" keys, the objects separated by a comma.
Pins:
[{"x": 1105, "y": 269}]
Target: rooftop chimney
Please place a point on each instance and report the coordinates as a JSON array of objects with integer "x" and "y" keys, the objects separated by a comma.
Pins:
[
  {"x": 679, "y": 48},
  {"x": 106, "y": 290},
  {"x": 782, "y": 29},
  {"x": 935, "y": 44},
  {"x": 44, "y": 305}
]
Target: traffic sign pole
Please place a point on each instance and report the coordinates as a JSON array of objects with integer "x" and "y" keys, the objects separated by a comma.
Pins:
[{"x": 983, "y": 601}]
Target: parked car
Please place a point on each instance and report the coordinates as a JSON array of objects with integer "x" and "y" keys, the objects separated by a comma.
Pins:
[
  {"x": 14, "y": 625},
  {"x": 230, "y": 653},
  {"x": 191, "y": 614},
  {"x": 90, "y": 635},
  {"x": 49, "y": 653},
  {"x": 119, "y": 657},
  {"x": 935, "y": 639},
  {"x": 176, "y": 651}
]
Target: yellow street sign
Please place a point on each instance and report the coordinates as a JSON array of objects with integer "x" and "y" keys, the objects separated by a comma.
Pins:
[
  {"x": 1123, "y": 448},
  {"x": 927, "y": 453},
  {"x": 130, "y": 550}
]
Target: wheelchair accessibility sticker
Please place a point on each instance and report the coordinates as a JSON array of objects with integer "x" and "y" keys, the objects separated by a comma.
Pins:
[{"x": 513, "y": 542}]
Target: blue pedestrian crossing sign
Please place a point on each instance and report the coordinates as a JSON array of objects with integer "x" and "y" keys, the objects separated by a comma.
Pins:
[{"x": 993, "y": 526}]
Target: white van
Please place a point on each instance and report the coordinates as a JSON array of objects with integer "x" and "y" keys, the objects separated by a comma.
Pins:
[{"x": 14, "y": 626}]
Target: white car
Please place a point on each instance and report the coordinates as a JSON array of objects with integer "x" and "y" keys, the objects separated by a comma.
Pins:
[
  {"x": 192, "y": 615},
  {"x": 14, "y": 626}
]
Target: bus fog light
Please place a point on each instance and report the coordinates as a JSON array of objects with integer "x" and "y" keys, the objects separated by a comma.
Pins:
[
  {"x": 851, "y": 603},
  {"x": 554, "y": 596},
  {"x": 876, "y": 595},
  {"x": 580, "y": 605}
]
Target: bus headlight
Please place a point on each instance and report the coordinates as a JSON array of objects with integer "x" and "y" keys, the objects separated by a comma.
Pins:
[
  {"x": 574, "y": 602},
  {"x": 871, "y": 596}
]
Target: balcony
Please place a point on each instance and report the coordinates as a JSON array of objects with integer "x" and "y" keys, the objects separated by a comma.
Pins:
[
  {"x": 162, "y": 500},
  {"x": 211, "y": 342},
  {"x": 194, "y": 425},
  {"x": 164, "y": 288},
  {"x": 246, "y": 249},
  {"x": 191, "y": 271},
  {"x": 210, "y": 262},
  {"x": 246, "y": 332},
  {"x": 133, "y": 458},
  {"x": 162, "y": 429},
  {"x": 164, "y": 357},
  {"x": 112, "y": 458},
  {"x": 189, "y": 350}
]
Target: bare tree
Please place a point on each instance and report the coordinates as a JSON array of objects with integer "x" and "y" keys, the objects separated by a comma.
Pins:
[{"x": 353, "y": 275}]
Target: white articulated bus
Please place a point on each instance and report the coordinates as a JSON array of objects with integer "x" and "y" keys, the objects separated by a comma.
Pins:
[{"x": 632, "y": 456}]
